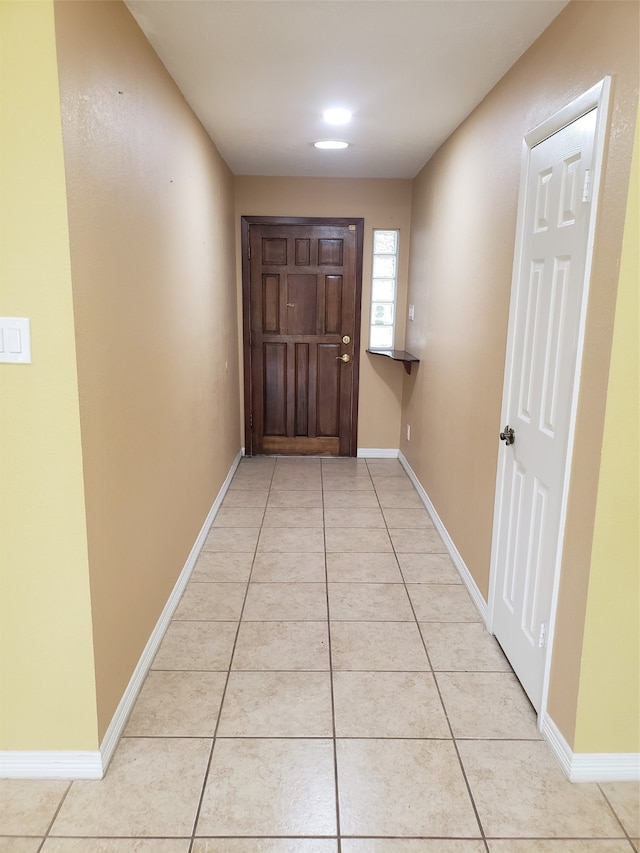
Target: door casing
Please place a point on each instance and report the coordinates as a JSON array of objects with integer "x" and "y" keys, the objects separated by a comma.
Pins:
[
  {"x": 596, "y": 97},
  {"x": 246, "y": 222}
]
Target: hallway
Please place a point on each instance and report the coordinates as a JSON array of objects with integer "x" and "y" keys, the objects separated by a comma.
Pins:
[{"x": 325, "y": 685}]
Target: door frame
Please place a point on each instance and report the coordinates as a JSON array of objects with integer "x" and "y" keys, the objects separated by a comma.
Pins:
[
  {"x": 246, "y": 222},
  {"x": 598, "y": 96}
]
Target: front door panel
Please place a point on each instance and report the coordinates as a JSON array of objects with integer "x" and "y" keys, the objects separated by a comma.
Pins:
[{"x": 302, "y": 284}]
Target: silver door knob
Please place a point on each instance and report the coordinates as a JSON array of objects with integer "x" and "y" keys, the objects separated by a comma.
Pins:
[{"x": 508, "y": 436}]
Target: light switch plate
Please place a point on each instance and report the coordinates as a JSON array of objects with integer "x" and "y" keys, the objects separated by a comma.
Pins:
[
  {"x": 411, "y": 312},
  {"x": 15, "y": 340}
]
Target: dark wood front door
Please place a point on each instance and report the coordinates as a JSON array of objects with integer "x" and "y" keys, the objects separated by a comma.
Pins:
[{"x": 302, "y": 282}]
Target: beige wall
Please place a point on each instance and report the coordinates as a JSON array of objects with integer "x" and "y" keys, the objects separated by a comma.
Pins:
[
  {"x": 152, "y": 259},
  {"x": 383, "y": 204},
  {"x": 463, "y": 230}
]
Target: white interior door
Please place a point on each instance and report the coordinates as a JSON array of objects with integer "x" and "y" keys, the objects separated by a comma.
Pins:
[{"x": 540, "y": 380}]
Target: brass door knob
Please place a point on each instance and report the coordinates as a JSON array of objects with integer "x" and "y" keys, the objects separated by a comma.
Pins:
[{"x": 344, "y": 358}]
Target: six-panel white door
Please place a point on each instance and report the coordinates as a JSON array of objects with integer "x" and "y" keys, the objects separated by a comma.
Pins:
[{"x": 539, "y": 385}]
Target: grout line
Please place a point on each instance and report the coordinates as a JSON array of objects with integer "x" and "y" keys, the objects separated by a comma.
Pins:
[
  {"x": 333, "y": 705},
  {"x": 370, "y": 621},
  {"x": 53, "y": 819},
  {"x": 224, "y": 691},
  {"x": 615, "y": 814},
  {"x": 444, "y": 709},
  {"x": 326, "y": 737},
  {"x": 444, "y": 838}
]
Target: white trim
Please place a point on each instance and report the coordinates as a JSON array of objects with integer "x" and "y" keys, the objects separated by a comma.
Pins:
[
  {"x": 378, "y": 452},
  {"x": 590, "y": 766},
  {"x": 93, "y": 765},
  {"x": 595, "y": 97},
  {"x": 559, "y": 747},
  {"x": 463, "y": 571},
  {"x": 50, "y": 764},
  {"x": 605, "y": 767},
  {"x": 598, "y": 97}
]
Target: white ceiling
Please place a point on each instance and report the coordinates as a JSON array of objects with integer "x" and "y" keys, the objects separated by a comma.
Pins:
[{"x": 259, "y": 73}]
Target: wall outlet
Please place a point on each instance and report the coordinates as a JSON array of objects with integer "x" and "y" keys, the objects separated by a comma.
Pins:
[{"x": 408, "y": 432}]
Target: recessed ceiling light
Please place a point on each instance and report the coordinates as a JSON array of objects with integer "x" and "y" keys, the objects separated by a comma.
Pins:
[
  {"x": 331, "y": 144},
  {"x": 337, "y": 115}
]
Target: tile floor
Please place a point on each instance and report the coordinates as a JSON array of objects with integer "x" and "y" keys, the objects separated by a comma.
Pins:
[{"x": 325, "y": 685}]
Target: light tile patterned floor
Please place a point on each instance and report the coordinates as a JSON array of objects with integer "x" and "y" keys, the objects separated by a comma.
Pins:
[{"x": 326, "y": 685}]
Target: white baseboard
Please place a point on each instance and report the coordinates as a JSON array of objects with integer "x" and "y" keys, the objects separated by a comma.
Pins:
[
  {"x": 378, "y": 452},
  {"x": 463, "y": 571},
  {"x": 50, "y": 764},
  {"x": 590, "y": 766},
  {"x": 67, "y": 764},
  {"x": 559, "y": 747}
]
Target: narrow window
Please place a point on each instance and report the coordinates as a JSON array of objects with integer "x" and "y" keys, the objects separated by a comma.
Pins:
[{"x": 383, "y": 289}]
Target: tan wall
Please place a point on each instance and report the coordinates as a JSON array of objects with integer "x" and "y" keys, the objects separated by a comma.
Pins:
[
  {"x": 463, "y": 231},
  {"x": 383, "y": 204},
  {"x": 154, "y": 292}
]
